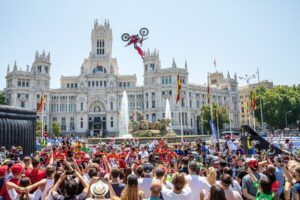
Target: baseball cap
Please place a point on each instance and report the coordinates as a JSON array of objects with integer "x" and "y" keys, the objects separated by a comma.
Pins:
[
  {"x": 253, "y": 164},
  {"x": 16, "y": 168},
  {"x": 3, "y": 170}
]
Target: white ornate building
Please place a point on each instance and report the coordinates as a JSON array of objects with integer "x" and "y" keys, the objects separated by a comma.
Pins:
[{"x": 90, "y": 102}]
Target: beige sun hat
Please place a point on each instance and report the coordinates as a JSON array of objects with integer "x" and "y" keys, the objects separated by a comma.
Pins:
[{"x": 99, "y": 189}]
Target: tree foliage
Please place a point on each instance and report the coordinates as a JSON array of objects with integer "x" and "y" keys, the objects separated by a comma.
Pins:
[
  {"x": 2, "y": 98},
  {"x": 220, "y": 113},
  {"x": 56, "y": 129},
  {"x": 38, "y": 128},
  {"x": 276, "y": 102}
]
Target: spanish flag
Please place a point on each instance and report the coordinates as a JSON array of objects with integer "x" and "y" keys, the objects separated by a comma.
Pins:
[
  {"x": 247, "y": 107},
  {"x": 208, "y": 92},
  {"x": 178, "y": 89},
  {"x": 253, "y": 101},
  {"x": 41, "y": 103}
]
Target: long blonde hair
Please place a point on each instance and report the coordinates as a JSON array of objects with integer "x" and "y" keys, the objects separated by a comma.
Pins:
[
  {"x": 130, "y": 193},
  {"x": 211, "y": 175}
]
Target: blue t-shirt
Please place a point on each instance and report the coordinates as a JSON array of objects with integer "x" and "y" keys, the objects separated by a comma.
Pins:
[
  {"x": 279, "y": 177},
  {"x": 296, "y": 189},
  {"x": 179, "y": 152}
]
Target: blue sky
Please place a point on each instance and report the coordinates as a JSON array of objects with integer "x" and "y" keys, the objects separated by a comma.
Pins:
[{"x": 241, "y": 35}]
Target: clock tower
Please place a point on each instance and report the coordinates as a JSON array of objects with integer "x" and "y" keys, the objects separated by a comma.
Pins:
[{"x": 101, "y": 39}]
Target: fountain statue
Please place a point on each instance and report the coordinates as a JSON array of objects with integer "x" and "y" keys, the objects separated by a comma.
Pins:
[{"x": 124, "y": 118}]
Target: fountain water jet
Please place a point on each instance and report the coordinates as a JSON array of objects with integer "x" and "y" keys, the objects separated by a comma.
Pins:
[
  {"x": 168, "y": 113},
  {"x": 124, "y": 118}
]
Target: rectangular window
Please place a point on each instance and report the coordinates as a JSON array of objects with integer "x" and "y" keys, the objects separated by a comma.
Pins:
[
  {"x": 46, "y": 69},
  {"x": 104, "y": 83},
  {"x": 27, "y": 84},
  {"x": 39, "y": 68},
  {"x": 100, "y": 83},
  {"x": 153, "y": 103},
  {"x": 89, "y": 83},
  {"x": 19, "y": 83},
  {"x": 81, "y": 106},
  {"x": 22, "y": 104},
  {"x": 111, "y": 105}
]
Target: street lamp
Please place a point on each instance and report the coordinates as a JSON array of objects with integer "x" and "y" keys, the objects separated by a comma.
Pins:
[
  {"x": 247, "y": 79},
  {"x": 286, "y": 118}
]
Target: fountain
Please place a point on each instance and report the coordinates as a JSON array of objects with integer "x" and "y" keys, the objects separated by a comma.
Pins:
[
  {"x": 168, "y": 114},
  {"x": 124, "y": 118}
]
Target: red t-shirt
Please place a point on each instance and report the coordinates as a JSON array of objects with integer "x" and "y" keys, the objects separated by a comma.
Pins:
[
  {"x": 35, "y": 175},
  {"x": 4, "y": 191},
  {"x": 113, "y": 156},
  {"x": 80, "y": 155},
  {"x": 60, "y": 156}
]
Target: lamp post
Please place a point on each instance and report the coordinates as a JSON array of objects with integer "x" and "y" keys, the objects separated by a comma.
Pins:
[
  {"x": 286, "y": 125},
  {"x": 247, "y": 79}
]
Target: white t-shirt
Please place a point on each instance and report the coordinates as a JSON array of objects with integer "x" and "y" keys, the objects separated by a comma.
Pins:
[
  {"x": 15, "y": 196},
  {"x": 144, "y": 185},
  {"x": 144, "y": 154},
  {"x": 232, "y": 194},
  {"x": 235, "y": 186},
  {"x": 197, "y": 184},
  {"x": 48, "y": 186},
  {"x": 168, "y": 194}
]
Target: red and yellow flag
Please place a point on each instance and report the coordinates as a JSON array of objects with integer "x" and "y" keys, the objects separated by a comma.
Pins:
[
  {"x": 178, "y": 88},
  {"x": 247, "y": 107},
  {"x": 41, "y": 103}
]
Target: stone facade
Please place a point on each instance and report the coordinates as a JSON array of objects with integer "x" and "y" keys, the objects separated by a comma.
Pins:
[
  {"x": 90, "y": 102},
  {"x": 244, "y": 96}
]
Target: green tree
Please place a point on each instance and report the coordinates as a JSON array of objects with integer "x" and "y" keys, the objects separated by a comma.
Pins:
[
  {"x": 56, "y": 128},
  {"x": 38, "y": 128},
  {"x": 2, "y": 99},
  {"x": 276, "y": 102},
  {"x": 218, "y": 113}
]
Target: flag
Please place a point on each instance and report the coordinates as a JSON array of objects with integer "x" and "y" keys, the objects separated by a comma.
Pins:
[
  {"x": 247, "y": 107},
  {"x": 253, "y": 101},
  {"x": 214, "y": 131},
  {"x": 208, "y": 92},
  {"x": 178, "y": 88},
  {"x": 41, "y": 103}
]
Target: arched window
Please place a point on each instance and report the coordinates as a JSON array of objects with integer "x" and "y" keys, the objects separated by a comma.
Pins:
[
  {"x": 99, "y": 70},
  {"x": 111, "y": 122},
  {"x": 153, "y": 117},
  {"x": 100, "y": 47}
]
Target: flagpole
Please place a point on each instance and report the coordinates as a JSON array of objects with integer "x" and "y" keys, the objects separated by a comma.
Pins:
[
  {"x": 218, "y": 126},
  {"x": 42, "y": 124},
  {"x": 253, "y": 119},
  {"x": 181, "y": 131},
  {"x": 260, "y": 103},
  {"x": 211, "y": 110}
]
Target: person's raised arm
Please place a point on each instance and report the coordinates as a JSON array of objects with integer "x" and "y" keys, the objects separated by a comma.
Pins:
[
  {"x": 253, "y": 178},
  {"x": 54, "y": 189},
  {"x": 82, "y": 181},
  {"x": 106, "y": 164},
  {"x": 75, "y": 165},
  {"x": 41, "y": 183}
]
